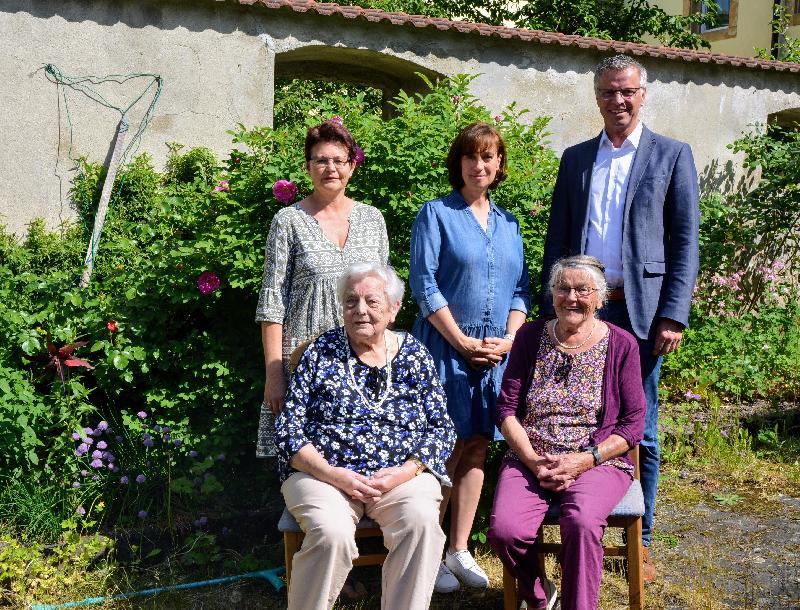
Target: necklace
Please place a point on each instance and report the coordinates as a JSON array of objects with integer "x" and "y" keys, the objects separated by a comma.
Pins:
[
  {"x": 354, "y": 385},
  {"x": 581, "y": 344}
]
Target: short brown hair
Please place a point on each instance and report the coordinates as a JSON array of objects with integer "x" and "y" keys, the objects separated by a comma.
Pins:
[
  {"x": 476, "y": 137},
  {"x": 330, "y": 131}
]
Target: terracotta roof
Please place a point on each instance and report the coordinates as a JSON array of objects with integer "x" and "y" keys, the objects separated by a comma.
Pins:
[{"x": 539, "y": 36}]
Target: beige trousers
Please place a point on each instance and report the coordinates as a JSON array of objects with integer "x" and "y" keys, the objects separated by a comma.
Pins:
[{"x": 409, "y": 518}]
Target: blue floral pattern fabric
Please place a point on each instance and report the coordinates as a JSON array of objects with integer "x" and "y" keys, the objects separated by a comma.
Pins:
[{"x": 364, "y": 436}]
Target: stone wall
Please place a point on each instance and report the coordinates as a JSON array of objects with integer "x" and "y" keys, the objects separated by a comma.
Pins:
[{"x": 219, "y": 59}]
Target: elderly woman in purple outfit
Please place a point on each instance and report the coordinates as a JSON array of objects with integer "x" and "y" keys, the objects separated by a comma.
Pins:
[{"x": 571, "y": 406}]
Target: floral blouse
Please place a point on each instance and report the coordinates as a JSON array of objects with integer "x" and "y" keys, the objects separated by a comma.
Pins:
[
  {"x": 372, "y": 429},
  {"x": 565, "y": 399}
]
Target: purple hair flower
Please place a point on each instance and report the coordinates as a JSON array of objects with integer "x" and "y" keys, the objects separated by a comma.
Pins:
[
  {"x": 358, "y": 155},
  {"x": 284, "y": 191},
  {"x": 336, "y": 119},
  {"x": 207, "y": 282}
]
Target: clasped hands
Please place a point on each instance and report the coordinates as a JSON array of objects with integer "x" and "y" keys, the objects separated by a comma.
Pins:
[
  {"x": 557, "y": 472},
  {"x": 369, "y": 489},
  {"x": 486, "y": 353}
]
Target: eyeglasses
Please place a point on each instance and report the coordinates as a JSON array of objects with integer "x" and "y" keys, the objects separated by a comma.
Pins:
[
  {"x": 610, "y": 94},
  {"x": 581, "y": 291},
  {"x": 322, "y": 162}
]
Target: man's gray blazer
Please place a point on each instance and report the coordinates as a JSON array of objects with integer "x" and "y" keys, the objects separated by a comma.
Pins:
[{"x": 660, "y": 256}]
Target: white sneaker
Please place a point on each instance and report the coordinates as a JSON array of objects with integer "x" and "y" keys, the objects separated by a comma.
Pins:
[
  {"x": 445, "y": 581},
  {"x": 466, "y": 569}
]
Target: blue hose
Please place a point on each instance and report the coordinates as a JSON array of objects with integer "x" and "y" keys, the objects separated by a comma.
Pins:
[{"x": 272, "y": 576}]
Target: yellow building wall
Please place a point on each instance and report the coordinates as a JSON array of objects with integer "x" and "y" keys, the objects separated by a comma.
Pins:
[{"x": 749, "y": 29}]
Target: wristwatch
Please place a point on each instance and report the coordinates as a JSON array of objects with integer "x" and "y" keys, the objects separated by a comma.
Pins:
[
  {"x": 595, "y": 454},
  {"x": 420, "y": 466}
]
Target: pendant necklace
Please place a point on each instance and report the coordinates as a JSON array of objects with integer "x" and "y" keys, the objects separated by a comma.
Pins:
[{"x": 352, "y": 378}]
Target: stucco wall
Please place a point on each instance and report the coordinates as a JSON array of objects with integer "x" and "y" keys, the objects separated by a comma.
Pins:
[{"x": 218, "y": 60}]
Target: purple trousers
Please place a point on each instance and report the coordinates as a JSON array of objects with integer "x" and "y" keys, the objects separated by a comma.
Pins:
[{"x": 520, "y": 505}]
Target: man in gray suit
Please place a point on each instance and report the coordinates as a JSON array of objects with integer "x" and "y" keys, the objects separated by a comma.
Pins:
[{"x": 630, "y": 197}]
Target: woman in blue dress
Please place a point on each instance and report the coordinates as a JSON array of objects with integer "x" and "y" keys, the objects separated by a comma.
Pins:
[{"x": 469, "y": 277}]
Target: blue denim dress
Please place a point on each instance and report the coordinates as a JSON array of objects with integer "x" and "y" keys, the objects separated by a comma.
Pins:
[{"x": 481, "y": 276}]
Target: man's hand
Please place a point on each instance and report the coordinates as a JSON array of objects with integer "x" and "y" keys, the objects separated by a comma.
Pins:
[{"x": 668, "y": 336}]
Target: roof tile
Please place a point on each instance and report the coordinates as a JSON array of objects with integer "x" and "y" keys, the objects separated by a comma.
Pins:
[{"x": 583, "y": 42}]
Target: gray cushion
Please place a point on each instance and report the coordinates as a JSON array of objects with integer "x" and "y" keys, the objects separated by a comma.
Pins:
[
  {"x": 631, "y": 505},
  {"x": 287, "y": 523}
]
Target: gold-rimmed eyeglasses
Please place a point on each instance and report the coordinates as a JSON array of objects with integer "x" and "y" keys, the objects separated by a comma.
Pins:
[
  {"x": 580, "y": 291},
  {"x": 610, "y": 94},
  {"x": 323, "y": 162}
]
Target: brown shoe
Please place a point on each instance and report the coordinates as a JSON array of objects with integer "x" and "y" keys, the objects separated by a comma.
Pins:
[{"x": 648, "y": 567}]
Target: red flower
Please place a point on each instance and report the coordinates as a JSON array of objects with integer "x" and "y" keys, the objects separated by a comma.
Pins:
[
  {"x": 112, "y": 326},
  {"x": 207, "y": 282}
]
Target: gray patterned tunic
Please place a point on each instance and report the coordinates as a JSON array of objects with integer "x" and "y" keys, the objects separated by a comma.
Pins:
[{"x": 301, "y": 267}]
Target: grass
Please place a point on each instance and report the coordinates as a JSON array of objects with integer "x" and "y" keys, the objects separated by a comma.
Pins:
[{"x": 724, "y": 484}]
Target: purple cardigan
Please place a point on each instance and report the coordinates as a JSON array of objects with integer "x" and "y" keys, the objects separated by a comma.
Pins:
[{"x": 623, "y": 397}]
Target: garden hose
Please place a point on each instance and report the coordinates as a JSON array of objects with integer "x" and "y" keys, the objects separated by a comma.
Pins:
[{"x": 272, "y": 576}]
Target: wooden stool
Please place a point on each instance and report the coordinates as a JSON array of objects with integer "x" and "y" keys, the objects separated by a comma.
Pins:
[
  {"x": 293, "y": 539},
  {"x": 626, "y": 515}
]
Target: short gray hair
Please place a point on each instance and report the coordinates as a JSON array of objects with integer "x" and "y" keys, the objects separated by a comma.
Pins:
[
  {"x": 394, "y": 286},
  {"x": 581, "y": 262},
  {"x": 618, "y": 63}
]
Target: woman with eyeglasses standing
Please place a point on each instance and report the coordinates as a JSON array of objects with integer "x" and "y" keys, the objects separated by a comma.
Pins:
[
  {"x": 469, "y": 278},
  {"x": 310, "y": 244}
]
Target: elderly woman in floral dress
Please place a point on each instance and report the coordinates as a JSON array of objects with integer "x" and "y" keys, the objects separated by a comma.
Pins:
[
  {"x": 309, "y": 246},
  {"x": 365, "y": 431}
]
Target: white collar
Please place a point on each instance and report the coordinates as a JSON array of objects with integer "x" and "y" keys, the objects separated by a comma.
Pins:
[{"x": 633, "y": 139}]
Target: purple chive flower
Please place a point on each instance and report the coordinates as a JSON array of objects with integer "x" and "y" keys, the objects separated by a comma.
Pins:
[
  {"x": 225, "y": 530},
  {"x": 84, "y": 473},
  {"x": 75, "y": 485},
  {"x": 166, "y": 429},
  {"x": 140, "y": 478},
  {"x": 223, "y": 187},
  {"x": 97, "y": 454},
  {"x": 692, "y": 396},
  {"x": 102, "y": 445},
  {"x": 177, "y": 442},
  {"x": 89, "y": 431},
  {"x": 157, "y": 428},
  {"x": 112, "y": 467},
  {"x": 221, "y": 457},
  {"x": 358, "y": 156},
  {"x": 142, "y": 514},
  {"x": 80, "y": 511},
  {"x": 197, "y": 481},
  {"x": 118, "y": 438},
  {"x": 193, "y": 454},
  {"x": 207, "y": 282},
  {"x": 88, "y": 441},
  {"x": 148, "y": 442},
  {"x": 107, "y": 455},
  {"x": 142, "y": 415},
  {"x": 102, "y": 426},
  {"x": 166, "y": 438},
  {"x": 124, "y": 480},
  {"x": 96, "y": 464},
  {"x": 76, "y": 436},
  {"x": 284, "y": 191},
  {"x": 96, "y": 478},
  {"x": 82, "y": 448}
]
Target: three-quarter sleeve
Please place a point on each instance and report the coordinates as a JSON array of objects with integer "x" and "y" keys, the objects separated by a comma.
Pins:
[
  {"x": 426, "y": 242},
  {"x": 290, "y": 425},
  {"x": 274, "y": 295},
  {"x": 521, "y": 301},
  {"x": 436, "y": 442}
]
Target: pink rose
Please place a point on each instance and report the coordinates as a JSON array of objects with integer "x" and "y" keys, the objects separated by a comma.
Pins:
[
  {"x": 207, "y": 282},
  {"x": 223, "y": 187},
  {"x": 358, "y": 156},
  {"x": 284, "y": 191}
]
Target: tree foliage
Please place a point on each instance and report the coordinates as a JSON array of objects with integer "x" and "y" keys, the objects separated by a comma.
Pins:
[{"x": 629, "y": 20}]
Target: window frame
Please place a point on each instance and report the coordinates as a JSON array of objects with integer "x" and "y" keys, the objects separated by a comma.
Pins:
[{"x": 720, "y": 33}]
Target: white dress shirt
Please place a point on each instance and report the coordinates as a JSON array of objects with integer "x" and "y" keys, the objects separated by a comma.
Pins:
[{"x": 610, "y": 175}]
